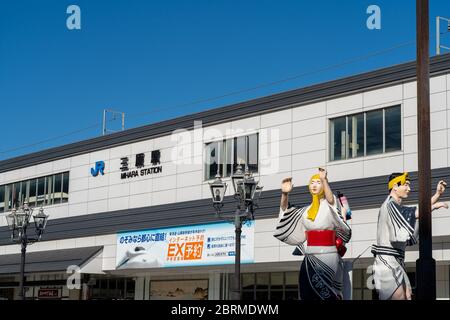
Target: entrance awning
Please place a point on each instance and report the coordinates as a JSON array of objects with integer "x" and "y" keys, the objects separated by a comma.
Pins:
[{"x": 49, "y": 261}]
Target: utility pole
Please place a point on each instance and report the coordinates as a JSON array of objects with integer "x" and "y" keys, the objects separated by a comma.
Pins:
[{"x": 425, "y": 265}]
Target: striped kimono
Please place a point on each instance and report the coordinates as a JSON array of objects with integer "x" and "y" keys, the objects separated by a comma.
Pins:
[
  {"x": 321, "y": 272},
  {"x": 397, "y": 228}
]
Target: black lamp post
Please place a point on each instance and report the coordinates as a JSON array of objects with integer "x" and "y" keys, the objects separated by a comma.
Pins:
[
  {"x": 246, "y": 194},
  {"x": 18, "y": 222}
]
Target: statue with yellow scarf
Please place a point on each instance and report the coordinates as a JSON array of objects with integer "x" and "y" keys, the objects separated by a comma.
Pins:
[
  {"x": 319, "y": 232},
  {"x": 397, "y": 228}
]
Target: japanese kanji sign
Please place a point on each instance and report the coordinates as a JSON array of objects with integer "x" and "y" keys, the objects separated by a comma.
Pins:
[
  {"x": 140, "y": 162},
  {"x": 195, "y": 245}
]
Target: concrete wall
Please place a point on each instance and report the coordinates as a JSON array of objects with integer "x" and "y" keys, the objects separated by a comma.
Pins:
[{"x": 300, "y": 134}]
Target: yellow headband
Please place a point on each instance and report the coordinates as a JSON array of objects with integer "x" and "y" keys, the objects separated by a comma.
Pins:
[{"x": 400, "y": 179}]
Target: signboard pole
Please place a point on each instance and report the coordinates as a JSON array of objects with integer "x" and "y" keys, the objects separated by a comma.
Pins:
[{"x": 237, "y": 262}]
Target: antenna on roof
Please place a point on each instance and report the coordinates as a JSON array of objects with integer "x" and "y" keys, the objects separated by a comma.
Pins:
[
  {"x": 113, "y": 115},
  {"x": 438, "y": 34}
]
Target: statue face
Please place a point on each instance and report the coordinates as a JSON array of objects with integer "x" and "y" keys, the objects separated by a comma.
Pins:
[
  {"x": 315, "y": 186},
  {"x": 402, "y": 191}
]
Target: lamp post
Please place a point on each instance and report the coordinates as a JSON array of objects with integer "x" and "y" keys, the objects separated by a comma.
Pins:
[
  {"x": 18, "y": 222},
  {"x": 246, "y": 194}
]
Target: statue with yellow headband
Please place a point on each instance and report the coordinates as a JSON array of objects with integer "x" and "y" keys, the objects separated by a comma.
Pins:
[
  {"x": 397, "y": 228},
  {"x": 318, "y": 231}
]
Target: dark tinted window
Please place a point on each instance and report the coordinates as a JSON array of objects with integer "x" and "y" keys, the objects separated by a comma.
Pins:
[
  {"x": 338, "y": 134},
  {"x": 393, "y": 129},
  {"x": 374, "y": 132}
]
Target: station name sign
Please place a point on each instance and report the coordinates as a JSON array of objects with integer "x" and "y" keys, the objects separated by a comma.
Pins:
[{"x": 140, "y": 169}]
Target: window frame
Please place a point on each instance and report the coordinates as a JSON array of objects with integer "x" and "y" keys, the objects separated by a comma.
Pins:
[
  {"x": 330, "y": 148},
  {"x": 285, "y": 289},
  {"x": 23, "y": 190},
  {"x": 221, "y": 147}
]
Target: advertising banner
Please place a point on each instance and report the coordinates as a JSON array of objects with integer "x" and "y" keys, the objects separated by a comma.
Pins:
[{"x": 195, "y": 245}]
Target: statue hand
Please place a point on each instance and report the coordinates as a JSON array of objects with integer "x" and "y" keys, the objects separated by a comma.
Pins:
[
  {"x": 286, "y": 185},
  {"x": 441, "y": 187},
  {"x": 323, "y": 174}
]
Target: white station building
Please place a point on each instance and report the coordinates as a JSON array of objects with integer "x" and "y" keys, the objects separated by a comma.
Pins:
[{"x": 131, "y": 214}]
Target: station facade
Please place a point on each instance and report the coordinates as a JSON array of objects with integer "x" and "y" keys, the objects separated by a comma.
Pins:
[{"x": 131, "y": 213}]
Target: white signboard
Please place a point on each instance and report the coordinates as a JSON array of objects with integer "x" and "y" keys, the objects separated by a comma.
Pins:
[{"x": 195, "y": 245}]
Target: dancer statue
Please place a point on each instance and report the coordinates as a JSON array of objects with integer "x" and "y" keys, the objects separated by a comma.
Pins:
[
  {"x": 319, "y": 231},
  {"x": 397, "y": 228}
]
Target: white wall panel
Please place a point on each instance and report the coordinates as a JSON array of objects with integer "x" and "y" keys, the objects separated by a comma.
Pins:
[{"x": 309, "y": 111}]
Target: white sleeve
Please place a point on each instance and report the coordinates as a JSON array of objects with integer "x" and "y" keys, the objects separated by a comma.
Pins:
[
  {"x": 402, "y": 225},
  {"x": 289, "y": 228}
]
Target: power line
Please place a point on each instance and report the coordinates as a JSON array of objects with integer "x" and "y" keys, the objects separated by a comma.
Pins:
[
  {"x": 350, "y": 61},
  {"x": 233, "y": 93},
  {"x": 51, "y": 139}
]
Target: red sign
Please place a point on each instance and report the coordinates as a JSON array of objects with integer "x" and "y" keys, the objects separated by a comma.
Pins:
[{"x": 48, "y": 293}]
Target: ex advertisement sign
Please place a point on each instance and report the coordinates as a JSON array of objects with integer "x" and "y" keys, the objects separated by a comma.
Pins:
[{"x": 195, "y": 245}]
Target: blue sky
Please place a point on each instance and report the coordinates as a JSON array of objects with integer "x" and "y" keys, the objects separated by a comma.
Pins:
[{"x": 147, "y": 58}]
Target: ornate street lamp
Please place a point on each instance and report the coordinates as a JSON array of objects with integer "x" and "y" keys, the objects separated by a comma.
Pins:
[
  {"x": 257, "y": 195},
  {"x": 248, "y": 186},
  {"x": 237, "y": 178},
  {"x": 245, "y": 189},
  {"x": 18, "y": 222},
  {"x": 40, "y": 222},
  {"x": 218, "y": 189}
]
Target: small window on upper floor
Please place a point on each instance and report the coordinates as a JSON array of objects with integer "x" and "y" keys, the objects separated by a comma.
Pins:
[
  {"x": 224, "y": 156},
  {"x": 365, "y": 134}
]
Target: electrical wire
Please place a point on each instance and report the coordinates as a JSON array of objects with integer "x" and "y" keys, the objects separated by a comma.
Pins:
[{"x": 233, "y": 93}]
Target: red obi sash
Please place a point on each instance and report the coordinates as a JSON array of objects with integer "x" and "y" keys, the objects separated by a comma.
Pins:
[
  {"x": 322, "y": 238},
  {"x": 325, "y": 238}
]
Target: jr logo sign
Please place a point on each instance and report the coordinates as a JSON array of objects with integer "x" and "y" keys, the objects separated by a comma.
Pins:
[{"x": 99, "y": 167}]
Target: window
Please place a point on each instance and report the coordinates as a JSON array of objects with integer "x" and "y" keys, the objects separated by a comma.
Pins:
[
  {"x": 392, "y": 126},
  {"x": 374, "y": 132},
  {"x": 338, "y": 129},
  {"x": 360, "y": 289},
  {"x": 365, "y": 134},
  {"x": 2, "y": 198},
  {"x": 32, "y": 194},
  {"x": 40, "y": 191},
  {"x": 65, "y": 193},
  {"x": 57, "y": 188},
  {"x": 16, "y": 193},
  {"x": 224, "y": 156},
  {"x": 212, "y": 163},
  {"x": 270, "y": 286},
  {"x": 8, "y": 197},
  {"x": 47, "y": 190}
]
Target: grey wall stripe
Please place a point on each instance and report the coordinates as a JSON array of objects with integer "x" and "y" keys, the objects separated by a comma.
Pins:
[
  {"x": 362, "y": 194},
  {"x": 344, "y": 86}
]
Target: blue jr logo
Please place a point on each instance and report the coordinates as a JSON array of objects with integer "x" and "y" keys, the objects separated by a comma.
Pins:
[{"x": 99, "y": 167}]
